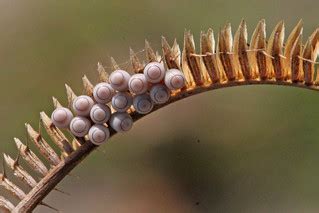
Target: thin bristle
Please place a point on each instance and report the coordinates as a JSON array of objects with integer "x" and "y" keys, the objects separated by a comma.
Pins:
[
  {"x": 114, "y": 65},
  {"x": 56, "y": 103},
  {"x": 87, "y": 85},
  {"x": 103, "y": 75},
  {"x": 150, "y": 54},
  {"x": 70, "y": 95},
  {"x": 136, "y": 64}
]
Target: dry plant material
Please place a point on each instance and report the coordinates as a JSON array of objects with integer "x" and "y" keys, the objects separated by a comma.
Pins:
[{"x": 226, "y": 63}]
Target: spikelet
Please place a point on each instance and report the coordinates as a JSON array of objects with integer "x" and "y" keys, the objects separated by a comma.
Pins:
[
  {"x": 136, "y": 64},
  {"x": 258, "y": 45},
  {"x": 103, "y": 75},
  {"x": 209, "y": 56},
  {"x": 88, "y": 86},
  {"x": 150, "y": 54}
]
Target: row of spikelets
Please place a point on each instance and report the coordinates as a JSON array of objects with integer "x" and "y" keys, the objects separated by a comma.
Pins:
[{"x": 227, "y": 60}]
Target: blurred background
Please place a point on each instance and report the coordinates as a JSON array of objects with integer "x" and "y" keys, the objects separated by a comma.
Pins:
[{"x": 242, "y": 149}]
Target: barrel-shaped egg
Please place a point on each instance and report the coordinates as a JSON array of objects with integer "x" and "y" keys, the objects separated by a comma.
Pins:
[
  {"x": 82, "y": 105},
  {"x": 80, "y": 126},
  {"x": 99, "y": 134},
  {"x": 138, "y": 84},
  {"x": 154, "y": 72},
  {"x": 121, "y": 121},
  {"x": 61, "y": 117},
  {"x": 174, "y": 79},
  {"x": 103, "y": 93},
  {"x": 100, "y": 113},
  {"x": 160, "y": 94},
  {"x": 143, "y": 104},
  {"x": 122, "y": 101},
  {"x": 119, "y": 80}
]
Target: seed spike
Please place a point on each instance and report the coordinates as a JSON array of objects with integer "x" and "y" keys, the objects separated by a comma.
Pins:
[
  {"x": 19, "y": 172},
  {"x": 209, "y": 56},
  {"x": 9, "y": 186},
  {"x": 136, "y": 64},
  {"x": 70, "y": 94},
  {"x": 240, "y": 49},
  {"x": 6, "y": 205},
  {"x": 103, "y": 75},
  {"x": 43, "y": 146},
  {"x": 114, "y": 65},
  {"x": 225, "y": 53},
  {"x": 274, "y": 48},
  {"x": 171, "y": 55},
  {"x": 88, "y": 86},
  {"x": 34, "y": 162},
  {"x": 291, "y": 42},
  {"x": 190, "y": 60},
  {"x": 297, "y": 74},
  {"x": 258, "y": 48},
  {"x": 56, "y": 103},
  {"x": 55, "y": 134},
  {"x": 150, "y": 54}
]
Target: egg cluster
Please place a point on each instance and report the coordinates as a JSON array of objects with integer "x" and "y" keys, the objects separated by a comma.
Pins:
[{"x": 142, "y": 90}]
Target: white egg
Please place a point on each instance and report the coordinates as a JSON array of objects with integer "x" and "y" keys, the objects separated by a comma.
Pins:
[
  {"x": 103, "y": 93},
  {"x": 119, "y": 80},
  {"x": 82, "y": 105},
  {"x": 121, "y": 122},
  {"x": 154, "y": 72},
  {"x": 138, "y": 84},
  {"x": 61, "y": 117},
  {"x": 143, "y": 104},
  {"x": 99, "y": 134},
  {"x": 174, "y": 79},
  {"x": 122, "y": 101},
  {"x": 160, "y": 94},
  {"x": 100, "y": 113},
  {"x": 80, "y": 126}
]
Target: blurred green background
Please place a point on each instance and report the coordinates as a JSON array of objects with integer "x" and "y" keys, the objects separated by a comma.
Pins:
[{"x": 243, "y": 149}]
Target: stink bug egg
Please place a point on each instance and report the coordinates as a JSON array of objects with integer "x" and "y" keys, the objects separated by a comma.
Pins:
[
  {"x": 122, "y": 101},
  {"x": 174, "y": 79},
  {"x": 82, "y": 105},
  {"x": 98, "y": 134},
  {"x": 143, "y": 104},
  {"x": 119, "y": 80},
  {"x": 61, "y": 117},
  {"x": 154, "y": 72},
  {"x": 100, "y": 113},
  {"x": 80, "y": 126},
  {"x": 160, "y": 94},
  {"x": 103, "y": 93},
  {"x": 121, "y": 121},
  {"x": 138, "y": 84}
]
